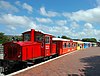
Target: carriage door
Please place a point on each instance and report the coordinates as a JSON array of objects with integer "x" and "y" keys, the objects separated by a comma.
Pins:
[{"x": 47, "y": 46}]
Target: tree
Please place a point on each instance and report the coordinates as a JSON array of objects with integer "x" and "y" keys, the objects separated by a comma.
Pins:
[
  {"x": 3, "y": 38},
  {"x": 19, "y": 38},
  {"x": 65, "y": 37},
  {"x": 89, "y": 40},
  {"x": 58, "y": 36}
]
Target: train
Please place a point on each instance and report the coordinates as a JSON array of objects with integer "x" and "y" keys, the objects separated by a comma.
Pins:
[{"x": 36, "y": 46}]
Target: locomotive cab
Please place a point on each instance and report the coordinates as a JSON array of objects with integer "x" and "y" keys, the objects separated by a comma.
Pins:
[{"x": 47, "y": 47}]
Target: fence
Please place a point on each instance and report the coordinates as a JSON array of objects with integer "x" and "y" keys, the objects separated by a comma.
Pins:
[
  {"x": 1, "y": 57},
  {"x": 1, "y": 49}
]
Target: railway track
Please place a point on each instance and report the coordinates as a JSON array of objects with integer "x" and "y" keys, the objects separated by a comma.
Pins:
[{"x": 8, "y": 67}]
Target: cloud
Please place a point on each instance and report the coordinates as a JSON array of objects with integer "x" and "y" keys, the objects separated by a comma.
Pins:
[
  {"x": 74, "y": 25},
  {"x": 87, "y": 32},
  {"x": 47, "y": 13},
  {"x": 90, "y": 15},
  {"x": 66, "y": 14},
  {"x": 10, "y": 19},
  {"x": 61, "y": 22},
  {"x": 7, "y": 7},
  {"x": 88, "y": 26},
  {"x": 25, "y": 6},
  {"x": 44, "y": 20},
  {"x": 14, "y": 21},
  {"x": 59, "y": 30},
  {"x": 91, "y": 33},
  {"x": 18, "y": 3}
]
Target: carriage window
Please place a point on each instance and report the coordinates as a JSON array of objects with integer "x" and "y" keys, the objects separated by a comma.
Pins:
[
  {"x": 68, "y": 44},
  {"x": 74, "y": 45},
  {"x": 78, "y": 44},
  {"x": 88, "y": 44},
  {"x": 26, "y": 37},
  {"x": 47, "y": 40},
  {"x": 64, "y": 46}
]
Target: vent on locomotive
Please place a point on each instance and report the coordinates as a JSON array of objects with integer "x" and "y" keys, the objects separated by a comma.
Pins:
[{"x": 12, "y": 51}]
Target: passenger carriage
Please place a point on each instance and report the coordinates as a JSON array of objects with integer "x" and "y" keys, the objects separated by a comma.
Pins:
[
  {"x": 64, "y": 45},
  {"x": 80, "y": 45},
  {"x": 86, "y": 44}
]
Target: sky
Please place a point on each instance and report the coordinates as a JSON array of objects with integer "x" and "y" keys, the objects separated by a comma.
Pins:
[{"x": 76, "y": 19}]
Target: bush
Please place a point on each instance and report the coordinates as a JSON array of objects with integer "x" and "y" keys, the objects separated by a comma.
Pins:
[{"x": 3, "y": 38}]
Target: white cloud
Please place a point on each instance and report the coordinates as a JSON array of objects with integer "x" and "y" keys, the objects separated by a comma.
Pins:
[
  {"x": 91, "y": 33},
  {"x": 47, "y": 13},
  {"x": 18, "y": 3},
  {"x": 44, "y": 20},
  {"x": 61, "y": 22},
  {"x": 66, "y": 14},
  {"x": 59, "y": 30},
  {"x": 88, "y": 26},
  {"x": 27, "y": 7},
  {"x": 90, "y": 15},
  {"x": 74, "y": 25},
  {"x": 10, "y": 19},
  {"x": 13, "y": 21},
  {"x": 87, "y": 32},
  {"x": 7, "y": 7}
]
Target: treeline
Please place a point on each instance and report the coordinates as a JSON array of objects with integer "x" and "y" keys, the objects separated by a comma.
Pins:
[
  {"x": 6, "y": 38},
  {"x": 64, "y": 37},
  {"x": 89, "y": 40},
  {"x": 84, "y": 39},
  {"x": 3, "y": 38}
]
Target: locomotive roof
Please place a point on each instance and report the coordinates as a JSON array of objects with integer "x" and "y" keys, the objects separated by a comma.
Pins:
[{"x": 38, "y": 31}]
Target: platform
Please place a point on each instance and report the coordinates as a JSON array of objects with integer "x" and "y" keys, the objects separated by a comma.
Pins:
[{"x": 80, "y": 63}]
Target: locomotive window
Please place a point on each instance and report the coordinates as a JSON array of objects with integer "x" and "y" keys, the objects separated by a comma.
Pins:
[
  {"x": 26, "y": 37},
  {"x": 47, "y": 39},
  {"x": 39, "y": 38},
  {"x": 64, "y": 46}
]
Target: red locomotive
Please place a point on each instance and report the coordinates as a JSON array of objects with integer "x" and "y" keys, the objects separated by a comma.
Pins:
[{"x": 36, "y": 45}]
